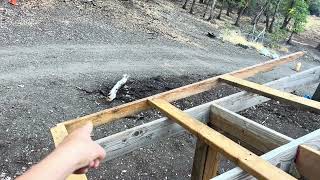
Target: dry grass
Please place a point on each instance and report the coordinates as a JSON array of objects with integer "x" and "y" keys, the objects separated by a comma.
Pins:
[{"x": 235, "y": 37}]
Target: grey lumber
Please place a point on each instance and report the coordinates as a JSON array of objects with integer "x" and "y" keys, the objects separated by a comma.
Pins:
[
  {"x": 127, "y": 141},
  {"x": 281, "y": 157},
  {"x": 268, "y": 135}
]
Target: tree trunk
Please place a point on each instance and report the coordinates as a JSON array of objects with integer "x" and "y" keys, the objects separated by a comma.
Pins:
[
  {"x": 201, "y": 1},
  {"x": 267, "y": 20},
  {"x": 290, "y": 38},
  {"x": 207, "y": 6},
  {"x": 274, "y": 16},
  {"x": 229, "y": 9},
  {"x": 185, "y": 4},
  {"x": 213, "y": 5},
  {"x": 287, "y": 16},
  {"x": 221, "y": 9},
  {"x": 256, "y": 18},
  {"x": 192, "y": 6}
]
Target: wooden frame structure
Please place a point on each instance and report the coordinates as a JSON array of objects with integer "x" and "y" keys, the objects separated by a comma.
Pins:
[{"x": 215, "y": 126}]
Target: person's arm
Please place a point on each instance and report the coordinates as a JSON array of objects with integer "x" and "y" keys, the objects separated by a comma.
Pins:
[{"x": 76, "y": 154}]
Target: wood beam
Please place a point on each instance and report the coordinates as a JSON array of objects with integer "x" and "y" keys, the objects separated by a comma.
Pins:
[
  {"x": 127, "y": 109},
  {"x": 131, "y": 139},
  {"x": 281, "y": 157},
  {"x": 308, "y": 162},
  {"x": 285, "y": 97},
  {"x": 241, "y": 128},
  {"x": 233, "y": 151}
]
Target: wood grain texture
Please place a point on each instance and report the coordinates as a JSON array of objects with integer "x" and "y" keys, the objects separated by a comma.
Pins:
[
  {"x": 281, "y": 157},
  {"x": 212, "y": 164},
  {"x": 127, "y": 109},
  {"x": 308, "y": 162},
  {"x": 246, "y": 130},
  {"x": 285, "y": 97},
  {"x": 131, "y": 139},
  {"x": 233, "y": 151},
  {"x": 58, "y": 133}
]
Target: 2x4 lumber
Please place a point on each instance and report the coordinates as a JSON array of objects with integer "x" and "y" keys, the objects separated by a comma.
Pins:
[
  {"x": 281, "y": 157},
  {"x": 272, "y": 93},
  {"x": 131, "y": 139},
  {"x": 246, "y": 130},
  {"x": 127, "y": 109},
  {"x": 58, "y": 133},
  {"x": 308, "y": 162},
  {"x": 233, "y": 151},
  {"x": 212, "y": 164}
]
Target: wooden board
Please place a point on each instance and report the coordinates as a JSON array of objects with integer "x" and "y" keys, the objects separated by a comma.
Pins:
[
  {"x": 58, "y": 134},
  {"x": 131, "y": 139},
  {"x": 272, "y": 93},
  {"x": 233, "y": 151},
  {"x": 127, "y": 109},
  {"x": 260, "y": 137},
  {"x": 281, "y": 157},
  {"x": 308, "y": 162}
]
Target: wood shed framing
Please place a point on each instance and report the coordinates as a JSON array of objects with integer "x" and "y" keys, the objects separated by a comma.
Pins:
[{"x": 216, "y": 124}]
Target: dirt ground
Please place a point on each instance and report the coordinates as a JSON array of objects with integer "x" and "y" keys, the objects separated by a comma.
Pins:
[{"x": 60, "y": 58}]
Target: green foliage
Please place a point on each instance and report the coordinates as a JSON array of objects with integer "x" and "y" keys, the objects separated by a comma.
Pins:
[
  {"x": 277, "y": 37},
  {"x": 314, "y": 7},
  {"x": 299, "y": 14}
]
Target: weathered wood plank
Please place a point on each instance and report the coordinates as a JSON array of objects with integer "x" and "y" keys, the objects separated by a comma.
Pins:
[
  {"x": 308, "y": 162},
  {"x": 58, "y": 133},
  {"x": 272, "y": 93},
  {"x": 233, "y": 151},
  {"x": 134, "y": 138},
  {"x": 127, "y": 109},
  {"x": 262, "y": 138},
  {"x": 281, "y": 157}
]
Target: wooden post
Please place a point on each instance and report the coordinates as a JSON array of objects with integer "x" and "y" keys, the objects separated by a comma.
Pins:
[
  {"x": 205, "y": 163},
  {"x": 316, "y": 95}
]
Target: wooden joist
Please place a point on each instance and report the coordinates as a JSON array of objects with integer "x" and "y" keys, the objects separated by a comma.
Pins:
[
  {"x": 131, "y": 139},
  {"x": 272, "y": 93},
  {"x": 233, "y": 151},
  {"x": 308, "y": 162},
  {"x": 281, "y": 157},
  {"x": 127, "y": 109},
  {"x": 241, "y": 128}
]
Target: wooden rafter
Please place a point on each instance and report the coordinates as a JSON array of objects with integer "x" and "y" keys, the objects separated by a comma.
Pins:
[
  {"x": 233, "y": 151},
  {"x": 127, "y": 109},
  {"x": 272, "y": 93}
]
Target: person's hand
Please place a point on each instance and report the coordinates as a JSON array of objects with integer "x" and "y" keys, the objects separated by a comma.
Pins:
[{"x": 81, "y": 151}]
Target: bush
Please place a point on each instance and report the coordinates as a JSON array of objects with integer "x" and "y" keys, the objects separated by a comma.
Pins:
[
  {"x": 277, "y": 37},
  {"x": 314, "y": 7}
]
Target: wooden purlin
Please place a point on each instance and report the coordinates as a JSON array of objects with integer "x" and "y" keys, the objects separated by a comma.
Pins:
[
  {"x": 127, "y": 109},
  {"x": 272, "y": 93},
  {"x": 242, "y": 157}
]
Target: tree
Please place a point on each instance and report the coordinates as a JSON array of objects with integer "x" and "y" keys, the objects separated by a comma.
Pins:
[
  {"x": 221, "y": 9},
  {"x": 287, "y": 17},
  {"x": 256, "y": 18},
  {"x": 274, "y": 15},
  {"x": 243, "y": 5},
  {"x": 299, "y": 14},
  {"x": 314, "y": 7}
]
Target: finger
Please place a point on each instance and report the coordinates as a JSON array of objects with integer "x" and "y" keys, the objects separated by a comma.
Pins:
[
  {"x": 81, "y": 170},
  {"x": 92, "y": 163},
  {"x": 86, "y": 129},
  {"x": 96, "y": 163}
]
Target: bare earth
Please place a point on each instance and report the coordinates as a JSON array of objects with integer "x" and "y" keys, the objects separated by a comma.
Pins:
[{"x": 50, "y": 49}]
